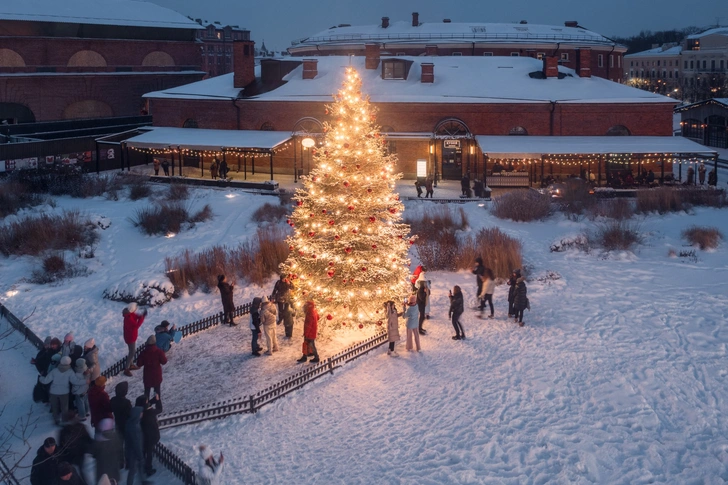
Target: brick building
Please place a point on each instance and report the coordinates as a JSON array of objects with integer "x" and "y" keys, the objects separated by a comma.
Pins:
[
  {"x": 217, "y": 46},
  {"x": 431, "y": 108},
  {"x": 90, "y": 58},
  {"x": 449, "y": 38}
]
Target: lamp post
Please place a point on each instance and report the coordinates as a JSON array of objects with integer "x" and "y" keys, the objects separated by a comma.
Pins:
[{"x": 307, "y": 143}]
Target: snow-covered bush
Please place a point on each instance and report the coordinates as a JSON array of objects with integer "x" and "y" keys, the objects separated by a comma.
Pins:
[
  {"x": 55, "y": 267},
  {"x": 33, "y": 235},
  {"x": 703, "y": 237},
  {"x": 269, "y": 213},
  {"x": 580, "y": 242},
  {"x": 616, "y": 235},
  {"x": 168, "y": 218},
  {"x": 151, "y": 291},
  {"x": 522, "y": 206},
  {"x": 620, "y": 209}
]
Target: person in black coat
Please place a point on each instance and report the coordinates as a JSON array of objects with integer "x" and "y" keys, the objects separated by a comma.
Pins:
[
  {"x": 512, "y": 290},
  {"x": 280, "y": 295},
  {"x": 150, "y": 429},
  {"x": 43, "y": 359},
  {"x": 74, "y": 439},
  {"x": 226, "y": 293},
  {"x": 255, "y": 325},
  {"x": 45, "y": 464},
  {"x": 479, "y": 272},
  {"x": 223, "y": 170},
  {"x": 457, "y": 308},
  {"x": 422, "y": 292},
  {"x": 67, "y": 475},
  {"x": 121, "y": 407},
  {"x": 520, "y": 301},
  {"x": 107, "y": 451}
]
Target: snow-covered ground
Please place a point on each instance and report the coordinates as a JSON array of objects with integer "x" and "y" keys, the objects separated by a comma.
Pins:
[{"x": 617, "y": 376}]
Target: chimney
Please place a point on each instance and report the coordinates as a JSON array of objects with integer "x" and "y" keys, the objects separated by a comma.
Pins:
[
  {"x": 415, "y": 19},
  {"x": 243, "y": 63},
  {"x": 310, "y": 68},
  {"x": 446, "y": 21},
  {"x": 385, "y": 22},
  {"x": 431, "y": 50},
  {"x": 551, "y": 66},
  {"x": 371, "y": 52},
  {"x": 428, "y": 72},
  {"x": 571, "y": 23},
  {"x": 583, "y": 62}
]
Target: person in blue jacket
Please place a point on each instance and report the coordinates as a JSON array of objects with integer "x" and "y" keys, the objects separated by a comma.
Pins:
[{"x": 164, "y": 333}]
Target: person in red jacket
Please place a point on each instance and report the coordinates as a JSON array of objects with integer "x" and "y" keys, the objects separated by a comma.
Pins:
[
  {"x": 133, "y": 319},
  {"x": 152, "y": 359},
  {"x": 310, "y": 329},
  {"x": 99, "y": 402}
]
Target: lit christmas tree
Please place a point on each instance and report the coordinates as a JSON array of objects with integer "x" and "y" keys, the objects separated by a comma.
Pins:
[{"x": 349, "y": 247}]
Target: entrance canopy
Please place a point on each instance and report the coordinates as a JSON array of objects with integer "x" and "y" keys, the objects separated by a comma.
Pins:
[
  {"x": 525, "y": 147},
  {"x": 209, "y": 140}
]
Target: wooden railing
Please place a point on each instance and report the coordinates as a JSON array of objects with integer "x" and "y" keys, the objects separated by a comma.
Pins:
[
  {"x": 21, "y": 327},
  {"x": 175, "y": 464}
]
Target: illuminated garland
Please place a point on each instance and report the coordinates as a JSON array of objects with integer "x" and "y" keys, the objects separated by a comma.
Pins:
[{"x": 249, "y": 153}]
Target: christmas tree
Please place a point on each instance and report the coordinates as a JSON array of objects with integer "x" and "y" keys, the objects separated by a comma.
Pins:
[{"x": 349, "y": 247}]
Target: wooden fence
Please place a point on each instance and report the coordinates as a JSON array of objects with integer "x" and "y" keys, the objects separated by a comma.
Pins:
[
  {"x": 21, "y": 327},
  {"x": 252, "y": 403}
]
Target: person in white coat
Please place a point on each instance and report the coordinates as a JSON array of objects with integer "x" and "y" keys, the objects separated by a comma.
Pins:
[
  {"x": 60, "y": 381},
  {"x": 209, "y": 470},
  {"x": 79, "y": 388},
  {"x": 411, "y": 314},
  {"x": 486, "y": 292},
  {"x": 390, "y": 310},
  {"x": 268, "y": 317}
]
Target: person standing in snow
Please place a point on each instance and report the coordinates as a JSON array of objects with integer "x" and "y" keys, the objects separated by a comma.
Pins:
[
  {"x": 281, "y": 292},
  {"x": 107, "y": 451},
  {"x": 99, "y": 402},
  {"x": 165, "y": 167},
  {"x": 429, "y": 182},
  {"x": 486, "y": 292},
  {"x": 133, "y": 319},
  {"x": 79, "y": 388},
  {"x": 134, "y": 445},
  {"x": 214, "y": 169},
  {"x": 60, "y": 381},
  {"x": 91, "y": 356},
  {"x": 255, "y": 326},
  {"x": 701, "y": 173},
  {"x": 479, "y": 272},
  {"x": 226, "y": 294},
  {"x": 150, "y": 429},
  {"x": 457, "y": 308},
  {"x": 209, "y": 470},
  {"x": 411, "y": 314},
  {"x": 415, "y": 276},
  {"x": 223, "y": 169},
  {"x": 68, "y": 345},
  {"x": 42, "y": 359},
  {"x": 45, "y": 464},
  {"x": 152, "y": 359},
  {"x": 121, "y": 408},
  {"x": 310, "y": 330},
  {"x": 67, "y": 475},
  {"x": 155, "y": 164},
  {"x": 520, "y": 301},
  {"x": 691, "y": 175},
  {"x": 268, "y": 322},
  {"x": 390, "y": 311},
  {"x": 422, "y": 295},
  {"x": 73, "y": 440},
  {"x": 512, "y": 290}
]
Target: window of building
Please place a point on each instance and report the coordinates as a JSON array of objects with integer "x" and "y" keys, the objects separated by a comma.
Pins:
[
  {"x": 658, "y": 63},
  {"x": 488, "y": 54},
  {"x": 686, "y": 65},
  {"x": 691, "y": 65},
  {"x": 677, "y": 74},
  {"x": 670, "y": 73},
  {"x": 457, "y": 53},
  {"x": 712, "y": 65},
  {"x": 618, "y": 130},
  {"x": 664, "y": 74},
  {"x": 722, "y": 64},
  {"x": 267, "y": 126},
  {"x": 515, "y": 54},
  {"x": 393, "y": 70},
  {"x": 631, "y": 63},
  {"x": 190, "y": 123},
  {"x": 600, "y": 60},
  {"x": 705, "y": 64},
  {"x": 518, "y": 131},
  {"x": 619, "y": 62},
  {"x": 400, "y": 54},
  {"x": 631, "y": 73},
  {"x": 565, "y": 57}
]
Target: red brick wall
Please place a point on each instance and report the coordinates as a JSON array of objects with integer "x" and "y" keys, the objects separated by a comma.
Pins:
[
  {"x": 48, "y": 96},
  {"x": 217, "y": 115}
]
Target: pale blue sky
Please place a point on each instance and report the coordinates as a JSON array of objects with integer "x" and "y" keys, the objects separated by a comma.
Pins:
[{"x": 278, "y": 22}]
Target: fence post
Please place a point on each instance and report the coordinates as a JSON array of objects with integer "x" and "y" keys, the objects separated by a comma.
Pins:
[
  {"x": 331, "y": 366},
  {"x": 252, "y": 404}
]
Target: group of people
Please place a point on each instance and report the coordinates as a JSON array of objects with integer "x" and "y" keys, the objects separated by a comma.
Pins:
[
  {"x": 164, "y": 163},
  {"x": 219, "y": 169},
  {"x": 429, "y": 186}
]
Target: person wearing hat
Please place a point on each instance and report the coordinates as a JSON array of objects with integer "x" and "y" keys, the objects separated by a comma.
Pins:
[
  {"x": 106, "y": 450},
  {"x": 68, "y": 345},
  {"x": 209, "y": 470},
  {"x": 310, "y": 330},
  {"x": 520, "y": 300},
  {"x": 91, "y": 355},
  {"x": 133, "y": 319},
  {"x": 99, "y": 401},
  {"x": 79, "y": 388},
  {"x": 512, "y": 290},
  {"x": 281, "y": 294},
  {"x": 67, "y": 475},
  {"x": 268, "y": 322},
  {"x": 73, "y": 440},
  {"x": 45, "y": 463},
  {"x": 60, "y": 381},
  {"x": 413, "y": 323},
  {"x": 43, "y": 357},
  {"x": 164, "y": 333},
  {"x": 152, "y": 359},
  {"x": 226, "y": 294}
]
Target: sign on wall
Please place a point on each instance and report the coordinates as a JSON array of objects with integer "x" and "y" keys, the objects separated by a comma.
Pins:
[{"x": 452, "y": 144}]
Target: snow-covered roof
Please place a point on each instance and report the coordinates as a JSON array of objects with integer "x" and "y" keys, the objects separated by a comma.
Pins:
[
  {"x": 438, "y": 32},
  {"x": 129, "y": 13},
  {"x": 528, "y": 146},
  {"x": 657, "y": 51},
  {"x": 717, "y": 30},
  {"x": 199, "y": 139},
  {"x": 687, "y": 107},
  {"x": 480, "y": 80}
]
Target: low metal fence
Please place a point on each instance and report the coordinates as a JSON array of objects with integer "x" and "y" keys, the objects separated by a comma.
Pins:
[
  {"x": 252, "y": 403},
  {"x": 21, "y": 327},
  {"x": 175, "y": 464}
]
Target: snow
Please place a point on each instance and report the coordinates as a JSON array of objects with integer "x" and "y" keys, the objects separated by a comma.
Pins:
[
  {"x": 465, "y": 79},
  {"x": 503, "y": 146},
  {"x": 98, "y": 12},
  {"x": 657, "y": 51},
  {"x": 617, "y": 377},
  {"x": 201, "y": 139},
  {"x": 717, "y": 30}
]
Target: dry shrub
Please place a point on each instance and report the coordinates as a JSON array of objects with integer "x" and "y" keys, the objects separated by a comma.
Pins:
[
  {"x": 286, "y": 197},
  {"x": 576, "y": 198},
  {"x": 178, "y": 191},
  {"x": 499, "y": 251},
  {"x": 34, "y": 235},
  {"x": 73, "y": 184},
  {"x": 54, "y": 263},
  {"x": 522, "y": 205},
  {"x": 15, "y": 196},
  {"x": 706, "y": 197},
  {"x": 617, "y": 235},
  {"x": 269, "y": 213},
  {"x": 703, "y": 237},
  {"x": 55, "y": 268},
  {"x": 619, "y": 209},
  {"x": 660, "y": 200},
  {"x": 440, "y": 219},
  {"x": 139, "y": 188},
  {"x": 168, "y": 217},
  {"x": 439, "y": 251},
  {"x": 254, "y": 261}
]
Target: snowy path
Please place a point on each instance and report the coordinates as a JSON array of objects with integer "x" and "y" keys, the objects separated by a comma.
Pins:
[{"x": 617, "y": 377}]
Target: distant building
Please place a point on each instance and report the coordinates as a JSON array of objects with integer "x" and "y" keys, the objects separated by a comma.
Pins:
[
  {"x": 706, "y": 122},
  {"x": 217, "y": 46},
  {"x": 75, "y": 59},
  {"x": 571, "y": 43},
  {"x": 657, "y": 69}
]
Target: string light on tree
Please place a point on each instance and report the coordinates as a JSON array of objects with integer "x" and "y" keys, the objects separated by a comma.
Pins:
[{"x": 349, "y": 246}]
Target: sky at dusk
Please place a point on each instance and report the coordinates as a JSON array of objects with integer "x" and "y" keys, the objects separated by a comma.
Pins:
[{"x": 279, "y": 22}]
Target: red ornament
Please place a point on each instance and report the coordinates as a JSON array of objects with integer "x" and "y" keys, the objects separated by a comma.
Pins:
[
  {"x": 379, "y": 323},
  {"x": 374, "y": 246},
  {"x": 314, "y": 257},
  {"x": 343, "y": 324},
  {"x": 290, "y": 248},
  {"x": 351, "y": 207},
  {"x": 299, "y": 203},
  {"x": 357, "y": 165},
  {"x": 392, "y": 210},
  {"x": 330, "y": 273},
  {"x": 337, "y": 237},
  {"x": 348, "y": 250},
  {"x": 331, "y": 222},
  {"x": 396, "y": 198},
  {"x": 343, "y": 167},
  {"x": 400, "y": 236},
  {"x": 412, "y": 241},
  {"x": 311, "y": 234},
  {"x": 329, "y": 317},
  {"x": 331, "y": 263},
  {"x": 323, "y": 211},
  {"x": 363, "y": 268},
  {"x": 372, "y": 219},
  {"x": 361, "y": 325},
  {"x": 346, "y": 184},
  {"x": 288, "y": 221},
  {"x": 301, "y": 253},
  {"x": 310, "y": 215},
  {"x": 369, "y": 190},
  {"x": 353, "y": 231},
  {"x": 346, "y": 145}
]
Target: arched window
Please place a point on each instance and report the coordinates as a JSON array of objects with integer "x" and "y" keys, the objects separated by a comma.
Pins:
[
  {"x": 87, "y": 59},
  {"x": 307, "y": 126},
  {"x": 190, "y": 123},
  {"x": 10, "y": 58},
  {"x": 452, "y": 128},
  {"x": 158, "y": 59},
  {"x": 89, "y": 108},
  {"x": 518, "y": 131},
  {"x": 391, "y": 144},
  {"x": 13, "y": 113},
  {"x": 618, "y": 130},
  {"x": 267, "y": 126}
]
